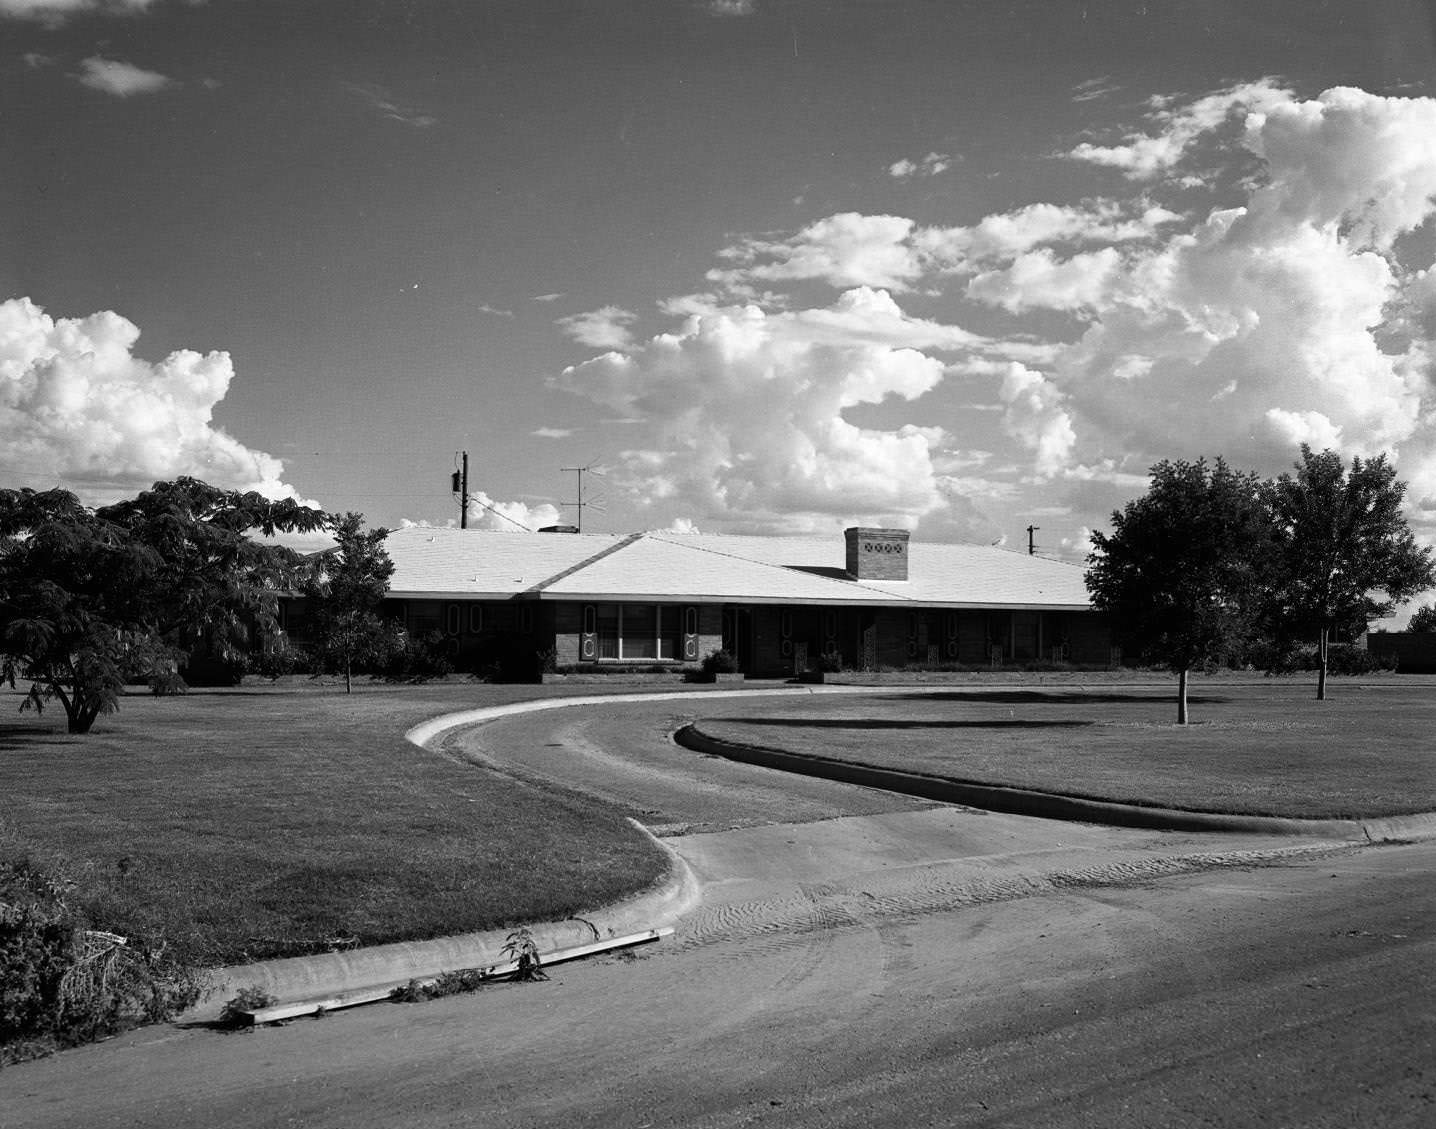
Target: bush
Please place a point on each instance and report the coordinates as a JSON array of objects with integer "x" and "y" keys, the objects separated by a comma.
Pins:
[
  {"x": 281, "y": 659},
  {"x": 1346, "y": 658},
  {"x": 1291, "y": 658},
  {"x": 64, "y": 982},
  {"x": 419, "y": 658},
  {"x": 720, "y": 662}
]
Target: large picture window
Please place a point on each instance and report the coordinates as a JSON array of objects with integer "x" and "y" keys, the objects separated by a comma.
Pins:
[{"x": 639, "y": 632}]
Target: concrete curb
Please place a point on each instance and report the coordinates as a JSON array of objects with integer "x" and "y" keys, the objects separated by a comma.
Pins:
[
  {"x": 1048, "y": 805},
  {"x": 426, "y": 731},
  {"x": 295, "y": 979},
  {"x": 323, "y": 975}
]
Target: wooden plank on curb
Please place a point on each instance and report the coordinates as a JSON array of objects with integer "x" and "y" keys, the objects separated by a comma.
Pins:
[{"x": 382, "y": 991}]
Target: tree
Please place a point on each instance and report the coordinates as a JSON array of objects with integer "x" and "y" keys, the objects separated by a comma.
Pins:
[
  {"x": 89, "y": 598},
  {"x": 344, "y": 591},
  {"x": 1182, "y": 569},
  {"x": 1423, "y": 619},
  {"x": 1345, "y": 554}
]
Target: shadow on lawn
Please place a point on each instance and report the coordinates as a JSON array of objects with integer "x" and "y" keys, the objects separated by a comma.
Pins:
[
  {"x": 898, "y": 723},
  {"x": 1063, "y": 697},
  {"x": 21, "y": 736}
]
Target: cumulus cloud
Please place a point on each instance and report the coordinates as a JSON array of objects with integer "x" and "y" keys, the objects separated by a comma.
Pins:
[
  {"x": 490, "y": 513},
  {"x": 847, "y": 249},
  {"x": 78, "y": 407},
  {"x": 747, "y": 413},
  {"x": 1265, "y": 325},
  {"x": 55, "y": 12},
  {"x": 1037, "y": 417},
  {"x": 605, "y": 328},
  {"x": 931, "y": 165},
  {"x": 1006, "y": 236},
  {"x": 1173, "y": 130},
  {"x": 893, "y": 253},
  {"x": 123, "y": 80},
  {"x": 1297, "y": 305}
]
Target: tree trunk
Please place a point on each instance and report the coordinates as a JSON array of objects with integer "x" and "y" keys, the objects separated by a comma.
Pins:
[
  {"x": 348, "y": 666},
  {"x": 1182, "y": 696},
  {"x": 1321, "y": 641}
]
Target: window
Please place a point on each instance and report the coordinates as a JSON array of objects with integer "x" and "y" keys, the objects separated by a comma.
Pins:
[
  {"x": 451, "y": 619},
  {"x": 476, "y": 618},
  {"x": 640, "y": 631},
  {"x": 634, "y": 632},
  {"x": 608, "y": 620}
]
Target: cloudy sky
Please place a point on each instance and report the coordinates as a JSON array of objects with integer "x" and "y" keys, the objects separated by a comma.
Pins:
[{"x": 771, "y": 265}]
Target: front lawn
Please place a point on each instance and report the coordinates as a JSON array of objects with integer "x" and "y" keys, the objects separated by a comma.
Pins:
[
  {"x": 274, "y": 821},
  {"x": 1268, "y": 749}
]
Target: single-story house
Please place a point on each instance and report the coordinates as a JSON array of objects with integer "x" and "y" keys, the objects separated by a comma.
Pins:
[{"x": 778, "y": 604}]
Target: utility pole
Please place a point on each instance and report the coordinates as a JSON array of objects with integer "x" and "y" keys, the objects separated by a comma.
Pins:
[
  {"x": 459, "y": 483},
  {"x": 1031, "y": 545}
]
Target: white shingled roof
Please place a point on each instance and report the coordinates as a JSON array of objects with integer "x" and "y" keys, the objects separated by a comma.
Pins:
[{"x": 474, "y": 564}]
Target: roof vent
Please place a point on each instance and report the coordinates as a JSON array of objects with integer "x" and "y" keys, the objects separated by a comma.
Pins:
[
  {"x": 877, "y": 554},
  {"x": 559, "y": 529}
]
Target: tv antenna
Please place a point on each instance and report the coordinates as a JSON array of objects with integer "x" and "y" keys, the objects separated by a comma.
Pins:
[{"x": 580, "y": 505}]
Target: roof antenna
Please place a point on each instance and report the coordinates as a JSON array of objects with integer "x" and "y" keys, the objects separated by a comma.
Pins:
[
  {"x": 581, "y": 504},
  {"x": 1031, "y": 545}
]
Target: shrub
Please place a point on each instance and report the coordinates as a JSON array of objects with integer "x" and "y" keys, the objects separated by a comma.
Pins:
[
  {"x": 282, "y": 659},
  {"x": 64, "y": 982},
  {"x": 720, "y": 662},
  {"x": 1341, "y": 658},
  {"x": 419, "y": 658}
]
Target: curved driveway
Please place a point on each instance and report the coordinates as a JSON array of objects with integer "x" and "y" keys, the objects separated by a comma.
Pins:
[
  {"x": 861, "y": 959},
  {"x": 780, "y": 854}
]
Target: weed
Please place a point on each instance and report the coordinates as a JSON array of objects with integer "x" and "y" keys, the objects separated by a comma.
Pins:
[
  {"x": 445, "y": 984},
  {"x": 236, "y": 1013},
  {"x": 521, "y": 949}
]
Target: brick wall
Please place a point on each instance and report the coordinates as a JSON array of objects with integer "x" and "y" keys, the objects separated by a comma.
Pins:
[{"x": 876, "y": 554}]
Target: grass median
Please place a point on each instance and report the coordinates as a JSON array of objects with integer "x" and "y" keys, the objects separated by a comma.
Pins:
[
  {"x": 277, "y": 821},
  {"x": 1258, "y": 750}
]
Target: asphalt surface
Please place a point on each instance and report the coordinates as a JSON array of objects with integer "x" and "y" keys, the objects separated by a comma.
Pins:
[{"x": 863, "y": 959}]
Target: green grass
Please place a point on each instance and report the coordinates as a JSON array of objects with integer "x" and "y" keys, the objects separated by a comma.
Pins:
[
  {"x": 274, "y": 821},
  {"x": 1369, "y": 750}
]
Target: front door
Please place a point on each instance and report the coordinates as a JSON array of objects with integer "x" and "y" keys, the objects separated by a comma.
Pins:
[{"x": 738, "y": 636}]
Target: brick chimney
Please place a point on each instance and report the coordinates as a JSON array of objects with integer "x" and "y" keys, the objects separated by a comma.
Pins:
[{"x": 877, "y": 554}]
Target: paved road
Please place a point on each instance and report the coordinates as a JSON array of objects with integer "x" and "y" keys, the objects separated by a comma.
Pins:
[{"x": 865, "y": 960}]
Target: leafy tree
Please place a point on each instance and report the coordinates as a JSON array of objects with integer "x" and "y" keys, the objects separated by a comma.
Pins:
[
  {"x": 1423, "y": 619},
  {"x": 1182, "y": 569},
  {"x": 89, "y": 598},
  {"x": 1345, "y": 555},
  {"x": 344, "y": 591}
]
